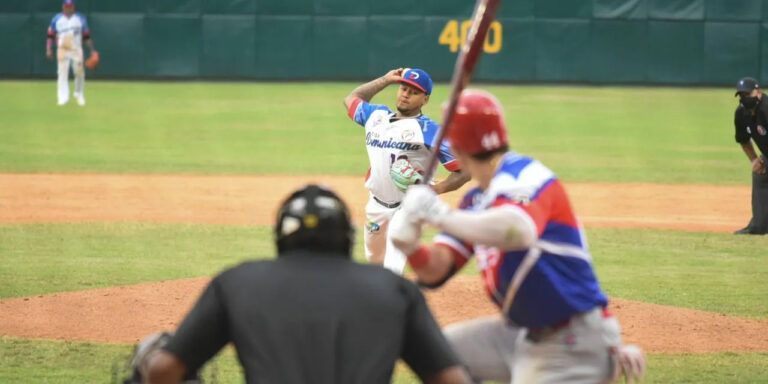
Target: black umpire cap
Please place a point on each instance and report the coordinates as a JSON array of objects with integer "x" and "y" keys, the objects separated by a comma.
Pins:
[
  {"x": 314, "y": 218},
  {"x": 746, "y": 84}
]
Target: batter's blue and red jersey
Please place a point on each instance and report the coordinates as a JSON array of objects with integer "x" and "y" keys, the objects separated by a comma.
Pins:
[{"x": 562, "y": 283}]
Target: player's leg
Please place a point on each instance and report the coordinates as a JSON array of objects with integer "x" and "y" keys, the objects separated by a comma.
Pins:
[
  {"x": 485, "y": 346},
  {"x": 374, "y": 236},
  {"x": 394, "y": 259},
  {"x": 759, "y": 223},
  {"x": 580, "y": 353},
  {"x": 62, "y": 84},
  {"x": 79, "y": 71}
]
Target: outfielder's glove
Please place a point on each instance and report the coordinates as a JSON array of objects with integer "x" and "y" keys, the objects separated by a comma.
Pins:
[
  {"x": 404, "y": 174},
  {"x": 93, "y": 60}
]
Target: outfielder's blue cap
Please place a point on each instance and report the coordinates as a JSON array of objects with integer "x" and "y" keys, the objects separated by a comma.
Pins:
[{"x": 418, "y": 78}]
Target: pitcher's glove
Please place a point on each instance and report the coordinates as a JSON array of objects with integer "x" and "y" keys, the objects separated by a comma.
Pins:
[
  {"x": 93, "y": 60},
  {"x": 404, "y": 174}
]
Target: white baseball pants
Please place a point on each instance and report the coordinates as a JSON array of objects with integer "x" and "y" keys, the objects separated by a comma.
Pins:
[
  {"x": 70, "y": 58},
  {"x": 378, "y": 247}
]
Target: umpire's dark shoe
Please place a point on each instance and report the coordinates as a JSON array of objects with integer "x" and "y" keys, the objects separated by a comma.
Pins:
[
  {"x": 747, "y": 231},
  {"x": 743, "y": 231}
]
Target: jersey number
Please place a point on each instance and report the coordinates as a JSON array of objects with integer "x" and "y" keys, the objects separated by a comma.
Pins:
[{"x": 392, "y": 158}]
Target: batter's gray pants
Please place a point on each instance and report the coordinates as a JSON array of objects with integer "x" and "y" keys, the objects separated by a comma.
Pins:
[{"x": 581, "y": 352}]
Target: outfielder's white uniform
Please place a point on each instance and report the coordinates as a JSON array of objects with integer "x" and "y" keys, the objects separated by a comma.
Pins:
[
  {"x": 388, "y": 139},
  {"x": 69, "y": 33}
]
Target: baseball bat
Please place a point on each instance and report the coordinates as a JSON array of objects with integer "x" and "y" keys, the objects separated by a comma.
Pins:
[{"x": 482, "y": 17}]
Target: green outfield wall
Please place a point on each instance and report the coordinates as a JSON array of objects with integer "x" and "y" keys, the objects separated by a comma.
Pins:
[{"x": 590, "y": 41}]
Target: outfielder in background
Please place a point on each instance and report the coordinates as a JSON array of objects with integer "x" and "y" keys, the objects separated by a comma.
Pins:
[
  {"x": 398, "y": 145},
  {"x": 69, "y": 29},
  {"x": 751, "y": 120},
  {"x": 533, "y": 257}
]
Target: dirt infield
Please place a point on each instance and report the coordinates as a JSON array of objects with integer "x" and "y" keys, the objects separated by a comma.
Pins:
[
  {"x": 125, "y": 314},
  {"x": 252, "y": 200}
]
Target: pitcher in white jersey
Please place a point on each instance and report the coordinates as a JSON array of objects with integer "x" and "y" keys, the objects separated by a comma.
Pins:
[
  {"x": 391, "y": 136},
  {"x": 69, "y": 29}
]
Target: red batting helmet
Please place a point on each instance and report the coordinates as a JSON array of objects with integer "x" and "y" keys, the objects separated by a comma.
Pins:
[{"x": 478, "y": 123}]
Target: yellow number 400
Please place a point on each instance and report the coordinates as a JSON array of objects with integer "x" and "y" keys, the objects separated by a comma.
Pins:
[{"x": 453, "y": 38}]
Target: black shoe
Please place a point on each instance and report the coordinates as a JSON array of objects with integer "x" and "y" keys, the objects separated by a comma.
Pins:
[
  {"x": 743, "y": 231},
  {"x": 748, "y": 231}
]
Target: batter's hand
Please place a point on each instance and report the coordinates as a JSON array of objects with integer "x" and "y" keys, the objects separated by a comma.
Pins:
[
  {"x": 48, "y": 54},
  {"x": 632, "y": 363},
  {"x": 758, "y": 166},
  {"x": 422, "y": 204},
  {"x": 404, "y": 232},
  {"x": 394, "y": 75}
]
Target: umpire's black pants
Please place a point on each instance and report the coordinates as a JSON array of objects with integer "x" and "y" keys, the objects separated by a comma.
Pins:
[{"x": 759, "y": 222}]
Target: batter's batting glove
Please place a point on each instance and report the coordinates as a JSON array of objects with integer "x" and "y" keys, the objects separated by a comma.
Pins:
[
  {"x": 632, "y": 363},
  {"x": 422, "y": 204},
  {"x": 404, "y": 174}
]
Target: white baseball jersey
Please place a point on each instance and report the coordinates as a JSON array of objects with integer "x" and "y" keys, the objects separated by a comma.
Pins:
[
  {"x": 388, "y": 139},
  {"x": 69, "y": 31}
]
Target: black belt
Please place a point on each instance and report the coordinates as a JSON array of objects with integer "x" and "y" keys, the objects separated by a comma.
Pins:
[{"x": 393, "y": 205}]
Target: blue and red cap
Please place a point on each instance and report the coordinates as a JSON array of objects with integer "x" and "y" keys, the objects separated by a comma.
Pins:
[
  {"x": 417, "y": 78},
  {"x": 68, "y": 2}
]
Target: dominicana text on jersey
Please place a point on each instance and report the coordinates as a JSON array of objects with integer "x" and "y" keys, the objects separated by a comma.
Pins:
[{"x": 389, "y": 139}]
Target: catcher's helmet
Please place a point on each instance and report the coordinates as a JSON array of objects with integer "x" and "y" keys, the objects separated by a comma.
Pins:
[
  {"x": 315, "y": 219},
  {"x": 478, "y": 123}
]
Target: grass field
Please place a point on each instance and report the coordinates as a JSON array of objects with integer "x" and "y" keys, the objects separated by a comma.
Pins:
[
  {"x": 662, "y": 135},
  {"x": 587, "y": 134}
]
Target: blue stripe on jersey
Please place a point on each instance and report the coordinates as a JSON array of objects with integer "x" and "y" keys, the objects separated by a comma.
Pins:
[
  {"x": 516, "y": 166},
  {"x": 364, "y": 111},
  {"x": 562, "y": 233},
  {"x": 53, "y": 22},
  {"x": 429, "y": 129},
  {"x": 543, "y": 186},
  {"x": 557, "y": 288},
  {"x": 467, "y": 201}
]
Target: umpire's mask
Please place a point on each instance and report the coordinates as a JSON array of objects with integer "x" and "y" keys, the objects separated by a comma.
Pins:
[{"x": 314, "y": 219}]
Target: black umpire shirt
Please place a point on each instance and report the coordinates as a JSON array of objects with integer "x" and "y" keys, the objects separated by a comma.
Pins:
[
  {"x": 313, "y": 319},
  {"x": 754, "y": 125}
]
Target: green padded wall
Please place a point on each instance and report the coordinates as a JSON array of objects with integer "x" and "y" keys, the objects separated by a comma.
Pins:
[
  {"x": 229, "y": 45},
  {"x": 15, "y": 38},
  {"x": 120, "y": 41},
  {"x": 591, "y": 41},
  {"x": 622, "y": 59},
  {"x": 282, "y": 47}
]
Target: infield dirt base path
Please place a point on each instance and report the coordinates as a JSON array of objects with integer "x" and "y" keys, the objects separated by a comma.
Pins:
[{"x": 126, "y": 314}]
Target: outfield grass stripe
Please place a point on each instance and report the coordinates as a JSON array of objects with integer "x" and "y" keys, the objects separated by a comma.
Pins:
[{"x": 584, "y": 133}]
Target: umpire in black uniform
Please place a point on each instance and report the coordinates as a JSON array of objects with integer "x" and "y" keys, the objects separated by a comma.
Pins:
[
  {"x": 751, "y": 122},
  {"x": 312, "y": 315}
]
